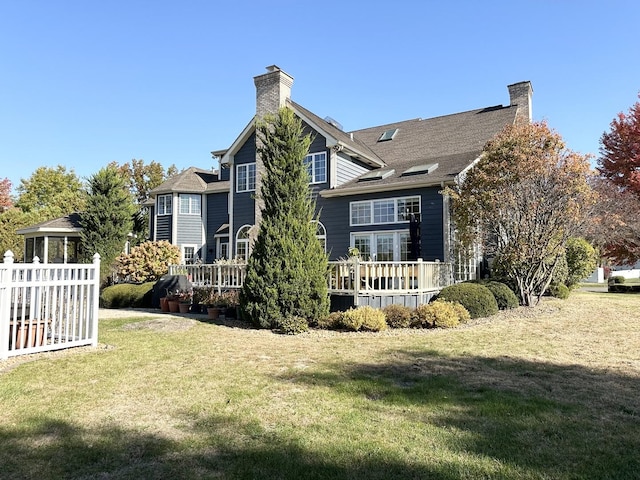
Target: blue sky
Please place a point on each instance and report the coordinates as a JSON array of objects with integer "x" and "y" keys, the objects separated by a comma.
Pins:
[{"x": 84, "y": 83}]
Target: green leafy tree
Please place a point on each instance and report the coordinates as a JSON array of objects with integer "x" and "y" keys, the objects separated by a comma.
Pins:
[
  {"x": 11, "y": 220},
  {"x": 522, "y": 201},
  {"x": 286, "y": 274},
  {"x": 142, "y": 178},
  {"x": 52, "y": 191},
  {"x": 107, "y": 219}
]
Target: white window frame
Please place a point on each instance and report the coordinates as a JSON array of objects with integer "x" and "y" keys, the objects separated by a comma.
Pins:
[
  {"x": 372, "y": 235},
  {"x": 312, "y": 162},
  {"x": 183, "y": 249},
  {"x": 193, "y": 203},
  {"x": 248, "y": 183},
  {"x": 164, "y": 207},
  {"x": 242, "y": 239},
  {"x": 321, "y": 234},
  {"x": 369, "y": 205}
]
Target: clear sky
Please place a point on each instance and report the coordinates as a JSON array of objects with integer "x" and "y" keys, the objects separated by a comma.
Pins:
[{"x": 84, "y": 83}]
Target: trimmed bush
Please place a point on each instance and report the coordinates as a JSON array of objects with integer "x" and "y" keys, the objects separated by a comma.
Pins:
[
  {"x": 463, "y": 313},
  {"x": 476, "y": 298},
  {"x": 397, "y": 316},
  {"x": 365, "y": 318},
  {"x": 332, "y": 321},
  {"x": 292, "y": 325},
  {"x": 127, "y": 295},
  {"x": 581, "y": 260},
  {"x": 559, "y": 291},
  {"x": 374, "y": 321},
  {"x": 505, "y": 298},
  {"x": 616, "y": 279},
  {"x": 440, "y": 313}
]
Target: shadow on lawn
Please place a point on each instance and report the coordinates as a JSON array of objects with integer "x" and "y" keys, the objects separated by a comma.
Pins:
[{"x": 541, "y": 420}]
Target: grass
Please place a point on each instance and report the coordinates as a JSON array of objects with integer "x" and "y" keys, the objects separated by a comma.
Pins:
[{"x": 544, "y": 393}]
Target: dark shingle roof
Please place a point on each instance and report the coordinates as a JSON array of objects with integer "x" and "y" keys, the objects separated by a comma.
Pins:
[
  {"x": 192, "y": 180},
  {"x": 454, "y": 142},
  {"x": 68, "y": 223}
]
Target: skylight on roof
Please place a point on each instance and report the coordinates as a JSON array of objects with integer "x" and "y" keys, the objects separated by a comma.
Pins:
[
  {"x": 376, "y": 175},
  {"x": 418, "y": 169},
  {"x": 388, "y": 135}
]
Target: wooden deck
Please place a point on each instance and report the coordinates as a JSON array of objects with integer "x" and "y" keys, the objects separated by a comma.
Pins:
[{"x": 350, "y": 283}]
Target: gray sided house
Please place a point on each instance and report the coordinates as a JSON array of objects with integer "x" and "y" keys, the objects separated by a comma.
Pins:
[{"x": 378, "y": 189}]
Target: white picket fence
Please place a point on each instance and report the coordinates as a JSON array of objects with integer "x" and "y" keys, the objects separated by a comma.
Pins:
[{"x": 46, "y": 307}]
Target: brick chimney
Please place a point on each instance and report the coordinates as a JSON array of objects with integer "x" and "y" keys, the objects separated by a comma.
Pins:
[
  {"x": 520, "y": 96},
  {"x": 272, "y": 90}
]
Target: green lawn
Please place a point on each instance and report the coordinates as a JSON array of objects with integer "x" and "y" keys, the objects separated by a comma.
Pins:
[{"x": 545, "y": 393}]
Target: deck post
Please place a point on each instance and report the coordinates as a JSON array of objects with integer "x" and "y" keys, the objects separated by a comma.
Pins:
[{"x": 356, "y": 283}]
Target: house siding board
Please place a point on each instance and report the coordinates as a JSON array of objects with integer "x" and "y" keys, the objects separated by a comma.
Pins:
[
  {"x": 217, "y": 208},
  {"x": 189, "y": 230},
  {"x": 164, "y": 228},
  {"x": 347, "y": 170},
  {"x": 243, "y": 203},
  {"x": 335, "y": 217}
]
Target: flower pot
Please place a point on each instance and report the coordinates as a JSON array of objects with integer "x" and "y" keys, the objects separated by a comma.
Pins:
[
  {"x": 29, "y": 333},
  {"x": 173, "y": 306},
  {"x": 164, "y": 304},
  {"x": 213, "y": 313},
  {"x": 196, "y": 308},
  {"x": 184, "y": 307}
]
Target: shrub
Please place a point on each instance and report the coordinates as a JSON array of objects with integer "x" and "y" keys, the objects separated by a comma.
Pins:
[
  {"x": 330, "y": 322},
  {"x": 440, "y": 313},
  {"x": 476, "y": 298},
  {"x": 616, "y": 279},
  {"x": 581, "y": 260},
  {"x": 505, "y": 298},
  {"x": 148, "y": 261},
  {"x": 292, "y": 325},
  {"x": 559, "y": 290},
  {"x": 463, "y": 313},
  {"x": 126, "y": 295},
  {"x": 374, "y": 320},
  {"x": 365, "y": 318},
  {"x": 397, "y": 316}
]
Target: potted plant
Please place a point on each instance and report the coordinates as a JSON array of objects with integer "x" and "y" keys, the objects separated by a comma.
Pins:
[
  {"x": 200, "y": 299},
  {"x": 232, "y": 299},
  {"x": 216, "y": 305},
  {"x": 184, "y": 301}
]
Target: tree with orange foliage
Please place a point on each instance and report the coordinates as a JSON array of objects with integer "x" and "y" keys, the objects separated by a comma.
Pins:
[
  {"x": 5, "y": 195},
  {"x": 617, "y": 216},
  {"x": 522, "y": 201}
]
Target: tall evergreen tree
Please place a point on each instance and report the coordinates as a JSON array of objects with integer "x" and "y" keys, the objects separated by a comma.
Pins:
[
  {"x": 286, "y": 274},
  {"x": 107, "y": 218}
]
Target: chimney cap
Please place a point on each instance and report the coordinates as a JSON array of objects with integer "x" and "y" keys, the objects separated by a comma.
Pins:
[{"x": 273, "y": 68}]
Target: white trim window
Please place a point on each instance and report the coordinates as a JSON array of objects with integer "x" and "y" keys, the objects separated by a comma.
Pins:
[
  {"x": 383, "y": 211},
  {"x": 321, "y": 234},
  {"x": 245, "y": 177},
  {"x": 189, "y": 254},
  {"x": 242, "y": 243},
  {"x": 316, "y": 164},
  {"x": 384, "y": 246},
  {"x": 190, "y": 204},
  {"x": 164, "y": 204}
]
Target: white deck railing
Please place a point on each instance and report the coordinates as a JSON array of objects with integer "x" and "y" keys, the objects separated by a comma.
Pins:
[
  {"x": 348, "y": 277},
  {"x": 47, "y": 307}
]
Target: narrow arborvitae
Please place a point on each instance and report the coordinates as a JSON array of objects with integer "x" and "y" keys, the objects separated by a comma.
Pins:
[
  {"x": 286, "y": 273},
  {"x": 107, "y": 218}
]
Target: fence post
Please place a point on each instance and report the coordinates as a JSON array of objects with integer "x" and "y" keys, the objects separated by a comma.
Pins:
[
  {"x": 95, "y": 299},
  {"x": 6, "y": 273}
]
